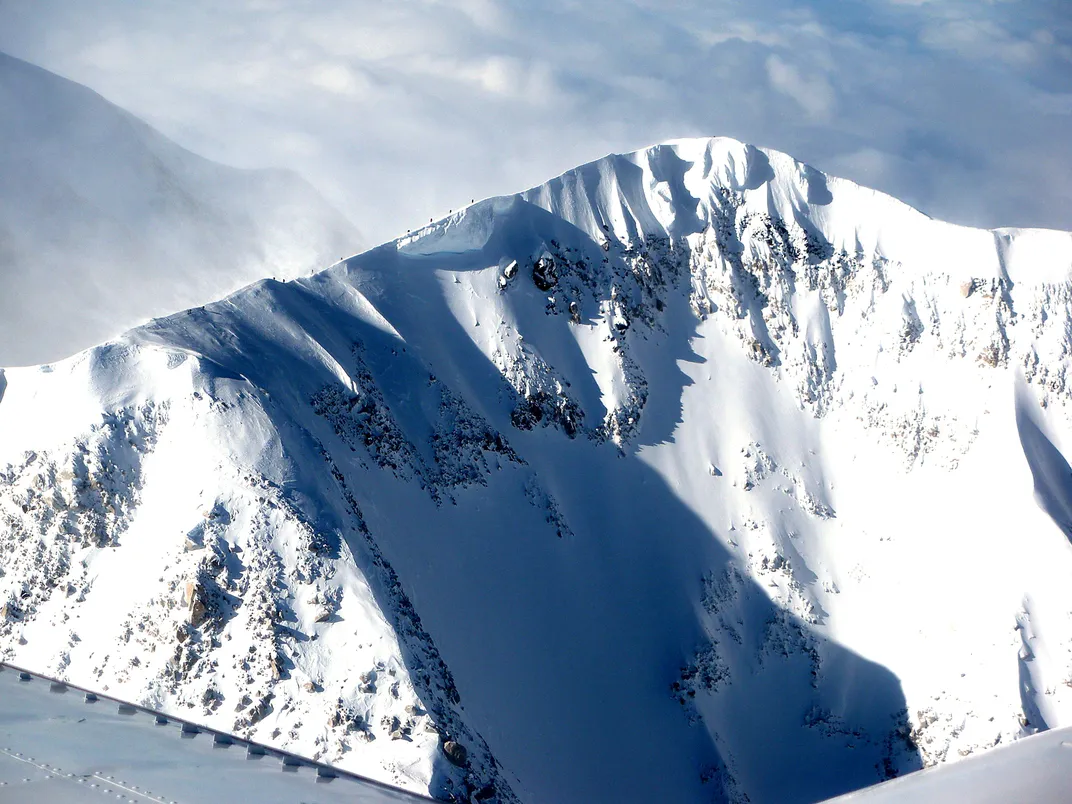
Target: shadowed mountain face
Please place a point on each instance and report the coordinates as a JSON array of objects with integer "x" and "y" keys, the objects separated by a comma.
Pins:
[
  {"x": 1049, "y": 468},
  {"x": 105, "y": 223},
  {"x": 671, "y": 479}
]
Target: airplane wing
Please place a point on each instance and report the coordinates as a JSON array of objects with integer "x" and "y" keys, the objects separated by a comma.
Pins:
[
  {"x": 63, "y": 745},
  {"x": 1036, "y": 768}
]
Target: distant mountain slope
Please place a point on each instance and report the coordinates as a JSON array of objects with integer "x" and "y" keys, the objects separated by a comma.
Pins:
[
  {"x": 690, "y": 475},
  {"x": 105, "y": 223}
]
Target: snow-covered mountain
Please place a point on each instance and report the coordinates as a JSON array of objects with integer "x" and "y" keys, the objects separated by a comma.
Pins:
[
  {"x": 690, "y": 475},
  {"x": 105, "y": 223}
]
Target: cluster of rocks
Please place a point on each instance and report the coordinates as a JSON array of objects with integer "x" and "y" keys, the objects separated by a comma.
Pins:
[{"x": 57, "y": 506}]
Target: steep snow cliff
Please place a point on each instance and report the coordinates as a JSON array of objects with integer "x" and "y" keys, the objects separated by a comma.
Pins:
[
  {"x": 105, "y": 223},
  {"x": 690, "y": 475}
]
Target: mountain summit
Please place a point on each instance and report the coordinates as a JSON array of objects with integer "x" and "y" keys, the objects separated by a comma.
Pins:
[{"x": 693, "y": 474}]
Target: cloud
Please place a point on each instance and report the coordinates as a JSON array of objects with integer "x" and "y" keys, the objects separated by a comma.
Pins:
[
  {"x": 814, "y": 94},
  {"x": 400, "y": 111},
  {"x": 339, "y": 79},
  {"x": 975, "y": 38}
]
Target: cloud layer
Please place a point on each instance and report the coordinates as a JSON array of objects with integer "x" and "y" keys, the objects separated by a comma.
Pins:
[{"x": 400, "y": 111}]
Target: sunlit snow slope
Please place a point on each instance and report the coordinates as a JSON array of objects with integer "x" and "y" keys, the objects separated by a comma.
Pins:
[
  {"x": 690, "y": 475},
  {"x": 105, "y": 223}
]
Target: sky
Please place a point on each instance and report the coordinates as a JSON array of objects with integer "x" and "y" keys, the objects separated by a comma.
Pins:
[{"x": 398, "y": 112}]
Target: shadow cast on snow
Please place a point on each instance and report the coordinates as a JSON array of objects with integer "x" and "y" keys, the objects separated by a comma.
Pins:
[
  {"x": 1049, "y": 469},
  {"x": 570, "y": 647},
  {"x": 565, "y": 650}
]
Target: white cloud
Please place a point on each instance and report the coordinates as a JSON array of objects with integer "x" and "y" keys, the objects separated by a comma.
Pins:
[
  {"x": 980, "y": 38},
  {"x": 399, "y": 111},
  {"x": 338, "y": 79},
  {"x": 738, "y": 29},
  {"x": 814, "y": 94}
]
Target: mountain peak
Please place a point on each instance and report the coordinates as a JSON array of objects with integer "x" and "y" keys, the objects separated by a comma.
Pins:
[
  {"x": 682, "y": 187},
  {"x": 694, "y": 446}
]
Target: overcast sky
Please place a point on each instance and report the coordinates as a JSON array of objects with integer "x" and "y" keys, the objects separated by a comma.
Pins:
[{"x": 398, "y": 111}]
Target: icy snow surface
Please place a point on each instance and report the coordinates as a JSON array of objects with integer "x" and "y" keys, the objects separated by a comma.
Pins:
[
  {"x": 690, "y": 475},
  {"x": 105, "y": 223}
]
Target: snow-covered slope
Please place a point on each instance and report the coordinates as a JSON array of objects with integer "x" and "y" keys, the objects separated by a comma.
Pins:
[
  {"x": 105, "y": 223},
  {"x": 690, "y": 475}
]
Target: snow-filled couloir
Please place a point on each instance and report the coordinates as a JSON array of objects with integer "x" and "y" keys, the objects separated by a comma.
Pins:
[{"x": 693, "y": 474}]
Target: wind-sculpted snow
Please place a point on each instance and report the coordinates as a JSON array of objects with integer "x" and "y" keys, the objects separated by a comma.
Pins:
[{"x": 690, "y": 475}]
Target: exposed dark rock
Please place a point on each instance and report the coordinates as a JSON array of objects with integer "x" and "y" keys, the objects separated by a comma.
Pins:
[
  {"x": 544, "y": 274},
  {"x": 456, "y": 753}
]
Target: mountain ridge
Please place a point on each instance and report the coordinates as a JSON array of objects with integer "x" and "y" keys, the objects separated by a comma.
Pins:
[
  {"x": 94, "y": 199},
  {"x": 623, "y": 510}
]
